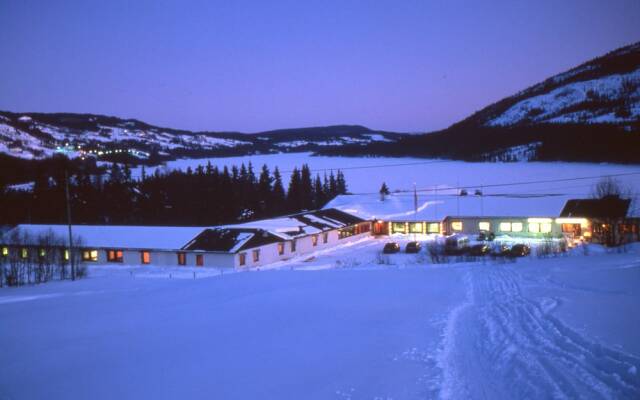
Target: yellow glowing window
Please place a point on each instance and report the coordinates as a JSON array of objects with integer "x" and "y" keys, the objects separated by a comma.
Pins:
[
  {"x": 516, "y": 227},
  {"x": 433, "y": 227},
  {"x": 545, "y": 227},
  {"x": 24, "y": 253},
  {"x": 534, "y": 227},
  {"x": 5, "y": 251},
  {"x": 415, "y": 227},
  {"x": 398, "y": 227},
  {"x": 456, "y": 225},
  {"x": 66, "y": 255},
  {"x": 90, "y": 255},
  {"x": 484, "y": 226},
  {"x": 505, "y": 226},
  {"x": 42, "y": 253}
]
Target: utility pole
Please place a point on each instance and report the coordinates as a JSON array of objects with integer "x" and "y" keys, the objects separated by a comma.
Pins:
[
  {"x": 71, "y": 259},
  {"x": 415, "y": 209}
]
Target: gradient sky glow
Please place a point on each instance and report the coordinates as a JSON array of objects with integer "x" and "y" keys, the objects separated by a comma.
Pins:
[{"x": 258, "y": 65}]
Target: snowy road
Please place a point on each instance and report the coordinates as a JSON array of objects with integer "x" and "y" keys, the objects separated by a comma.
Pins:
[
  {"x": 340, "y": 326},
  {"x": 507, "y": 346}
]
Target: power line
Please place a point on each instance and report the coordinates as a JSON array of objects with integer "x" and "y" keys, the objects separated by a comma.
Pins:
[{"x": 519, "y": 183}]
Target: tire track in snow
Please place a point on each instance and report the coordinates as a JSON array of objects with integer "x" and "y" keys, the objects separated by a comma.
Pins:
[{"x": 500, "y": 344}]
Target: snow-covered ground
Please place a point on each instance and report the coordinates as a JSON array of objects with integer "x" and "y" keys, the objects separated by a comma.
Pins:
[
  {"x": 342, "y": 324},
  {"x": 366, "y": 174}
]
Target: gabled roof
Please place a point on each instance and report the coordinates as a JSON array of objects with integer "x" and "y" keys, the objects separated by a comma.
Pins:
[
  {"x": 607, "y": 207},
  {"x": 302, "y": 224},
  {"x": 230, "y": 240}
]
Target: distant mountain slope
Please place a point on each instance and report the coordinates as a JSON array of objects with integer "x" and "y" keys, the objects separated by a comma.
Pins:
[
  {"x": 590, "y": 113},
  {"x": 603, "y": 90},
  {"x": 38, "y": 136}
]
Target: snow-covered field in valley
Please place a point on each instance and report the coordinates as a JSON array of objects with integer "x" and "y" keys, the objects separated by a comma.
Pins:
[
  {"x": 366, "y": 174},
  {"x": 346, "y": 324}
]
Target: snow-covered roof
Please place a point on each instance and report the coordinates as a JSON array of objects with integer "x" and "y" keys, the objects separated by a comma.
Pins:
[
  {"x": 431, "y": 207},
  {"x": 303, "y": 224},
  {"x": 109, "y": 236}
]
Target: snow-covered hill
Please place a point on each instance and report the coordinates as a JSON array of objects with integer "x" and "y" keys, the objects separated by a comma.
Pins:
[
  {"x": 37, "y": 136},
  {"x": 603, "y": 90}
]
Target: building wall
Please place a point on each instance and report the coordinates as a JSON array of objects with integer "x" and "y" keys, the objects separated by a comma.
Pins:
[
  {"x": 304, "y": 245},
  {"x": 471, "y": 226}
]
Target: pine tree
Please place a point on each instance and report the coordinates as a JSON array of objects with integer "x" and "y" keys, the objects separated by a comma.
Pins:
[
  {"x": 318, "y": 193},
  {"x": 278, "y": 197},
  {"x": 384, "y": 191},
  {"x": 306, "y": 188},
  {"x": 341, "y": 184},
  {"x": 264, "y": 188},
  {"x": 333, "y": 187},
  {"x": 294, "y": 199}
]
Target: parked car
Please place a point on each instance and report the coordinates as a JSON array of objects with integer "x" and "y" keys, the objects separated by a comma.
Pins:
[
  {"x": 483, "y": 236},
  {"x": 456, "y": 244},
  {"x": 520, "y": 250},
  {"x": 500, "y": 250},
  {"x": 391, "y": 247},
  {"x": 413, "y": 247},
  {"x": 479, "y": 249}
]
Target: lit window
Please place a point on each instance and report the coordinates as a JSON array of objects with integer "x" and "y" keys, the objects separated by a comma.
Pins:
[
  {"x": 415, "y": 227},
  {"x": 182, "y": 259},
  {"x": 534, "y": 227},
  {"x": 199, "y": 260},
  {"x": 90, "y": 255},
  {"x": 545, "y": 227},
  {"x": 256, "y": 255},
  {"x": 433, "y": 227},
  {"x": 516, "y": 226},
  {"x": 242, "y": 258},
  {"x": 484, "y": 226},
  {"x": 325, "y": 237},
  {"x": 114, "y": 255},
  {"x": 505, "y": 226},
  {"x": 280, "y": 248},
  {"x": 145, "y": 257},
  {"x": 398, "y": 227},
  {"x": 456, "y": 225},
  {"x": 42, "y": 253},
  {"x": 66, "y": 255},
  {"x": 24, "y": 253},
  {"x": 314, "y": 240},
  {"x": 5, "y": 251}
]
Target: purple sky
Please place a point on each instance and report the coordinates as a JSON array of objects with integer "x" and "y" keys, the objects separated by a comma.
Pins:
[{"x": 257, "y": 65}]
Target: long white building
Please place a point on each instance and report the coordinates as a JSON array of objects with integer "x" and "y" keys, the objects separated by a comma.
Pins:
[{"x": 251, "y": 244}]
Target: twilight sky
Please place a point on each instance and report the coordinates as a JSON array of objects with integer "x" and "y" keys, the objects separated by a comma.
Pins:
[{"x": 256, "y": 65}]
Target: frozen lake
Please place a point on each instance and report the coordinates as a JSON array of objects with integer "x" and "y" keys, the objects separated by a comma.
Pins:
[{"x": 365, "y": 174}]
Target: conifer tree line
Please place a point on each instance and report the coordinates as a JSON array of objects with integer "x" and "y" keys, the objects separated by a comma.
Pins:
[{"x": 206, "y": 195}]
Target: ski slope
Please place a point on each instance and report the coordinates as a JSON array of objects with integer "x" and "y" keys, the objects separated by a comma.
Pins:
[{"x": 343, "y": 324}]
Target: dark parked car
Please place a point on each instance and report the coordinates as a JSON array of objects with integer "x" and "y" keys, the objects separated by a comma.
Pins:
[
  {"x": 456, "y": 244},
  {"x": 391, "y": 247},
  {"x": 500, "y": 249},
  {"x": 520, "y": 250},
  {"x": 479, "y": 250},
  {"x": 413, "y": 247}
]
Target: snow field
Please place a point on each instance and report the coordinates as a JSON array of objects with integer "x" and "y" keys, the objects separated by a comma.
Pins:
[{"x": 334, "y": 325}]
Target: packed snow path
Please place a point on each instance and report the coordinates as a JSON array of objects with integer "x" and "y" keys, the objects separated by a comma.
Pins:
[{"x": 504, "y": 345}]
